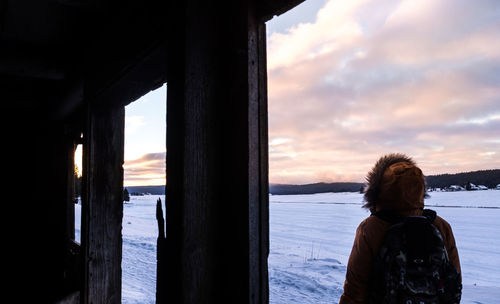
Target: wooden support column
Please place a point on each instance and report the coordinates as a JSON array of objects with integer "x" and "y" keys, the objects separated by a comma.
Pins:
[
  {"x": 217, "y": 191},
  {"x": 102, "y": 208}
]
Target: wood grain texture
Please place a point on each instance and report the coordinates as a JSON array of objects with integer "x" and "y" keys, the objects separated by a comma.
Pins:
[{"x": 103, "y": 206}]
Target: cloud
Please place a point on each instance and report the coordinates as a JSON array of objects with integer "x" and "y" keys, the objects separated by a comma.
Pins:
[
  {"x": 134, "y": 123},
  {"x": 149, "y": 169},
  {"x": 374, "y": 77}
]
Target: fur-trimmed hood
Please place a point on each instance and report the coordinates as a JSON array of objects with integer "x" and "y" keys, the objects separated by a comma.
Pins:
[{"x": 395, "y": 182}]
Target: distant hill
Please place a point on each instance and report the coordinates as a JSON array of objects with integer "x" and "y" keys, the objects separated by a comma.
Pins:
[
  {"x": 140, "y": 190},
  {"x": 273, "y": 189},
  {"x": 488, "y": 178},
  {"x": 314, "y": 188}
]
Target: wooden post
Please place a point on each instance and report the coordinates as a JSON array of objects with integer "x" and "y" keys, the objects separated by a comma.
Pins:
[
  {"x": 217, "y": 199},
  {"x": 160, "y": 249},
  {"x": 102, "y": 205}
]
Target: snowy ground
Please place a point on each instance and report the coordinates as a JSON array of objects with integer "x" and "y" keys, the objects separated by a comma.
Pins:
[
  {"x": 311, "y": 238},
  {"x": 312, "y": 235}
]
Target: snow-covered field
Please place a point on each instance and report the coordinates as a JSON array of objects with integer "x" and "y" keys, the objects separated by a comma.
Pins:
[{"x": 311, "y": 238}]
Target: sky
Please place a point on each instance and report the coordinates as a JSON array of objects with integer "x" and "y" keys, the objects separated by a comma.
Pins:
[
  {"x": 364, "y": 78},
  {"x": 350, "y": 81},
  {"x": 145, "y": 139}
]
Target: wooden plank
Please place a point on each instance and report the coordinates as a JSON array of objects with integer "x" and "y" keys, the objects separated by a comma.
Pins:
[
  {"x": 217, "y": 214},
  {"x": 263, "y": 166},
  {"x": 102, "y": 205},
  {"x": 172, "y": 284},
  {"x": 160, "y": 253}
]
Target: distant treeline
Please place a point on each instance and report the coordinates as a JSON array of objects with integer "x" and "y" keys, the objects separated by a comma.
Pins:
[
  {"x": 315, "y": 188},
  {"x": 488, "y": 178},
  {"x": 140, "y": 190}
]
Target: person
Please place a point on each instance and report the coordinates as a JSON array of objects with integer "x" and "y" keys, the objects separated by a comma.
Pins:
[{"x": 395, "y": 183}]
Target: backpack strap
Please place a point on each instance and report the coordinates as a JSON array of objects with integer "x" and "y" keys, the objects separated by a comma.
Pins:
[{"x": 429, "y": 214}]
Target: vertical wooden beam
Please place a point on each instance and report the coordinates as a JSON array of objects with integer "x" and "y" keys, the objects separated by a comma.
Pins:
[
  {"x": 170, "y": 273},
  {"x": 103, "y": 205},
  {"x": 263, "y": 207},
  {"x": 258, "y": 161},
  {"x": 217, "y": 198}
]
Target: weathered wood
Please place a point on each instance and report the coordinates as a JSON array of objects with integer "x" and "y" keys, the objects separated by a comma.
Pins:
[
  {"x": 102, "y": 205},
  {"x": 263, "y": 166},
  {"x": 160, "y": 219},
  {"x": 217, "y": 126},
  {"x": 258, "y": 162},
  {"x": 216, "y": 204},
  {"x": 160, "y": 254}
]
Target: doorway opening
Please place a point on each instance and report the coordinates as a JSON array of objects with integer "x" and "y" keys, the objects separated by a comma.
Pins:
[{"x": 144, "y": 184}]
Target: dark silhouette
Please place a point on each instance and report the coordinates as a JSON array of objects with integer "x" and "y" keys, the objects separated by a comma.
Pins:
[
  {"x": 126, "y": 195},
  {"x": 488, "y": 178}
]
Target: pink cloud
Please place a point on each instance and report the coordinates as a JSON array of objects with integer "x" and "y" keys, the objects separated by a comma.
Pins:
[
  {"x": 147, "y": 170},
  {"x": 393, "y": 76}
]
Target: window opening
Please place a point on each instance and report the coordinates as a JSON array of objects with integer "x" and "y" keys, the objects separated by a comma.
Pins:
[{"x": 77, "y": 190}]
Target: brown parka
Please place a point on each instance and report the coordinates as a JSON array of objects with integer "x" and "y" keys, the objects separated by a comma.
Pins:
[{"x": 395, "y": 183}]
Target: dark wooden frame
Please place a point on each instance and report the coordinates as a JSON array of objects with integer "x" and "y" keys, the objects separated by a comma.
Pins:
[
  {"x": 76, "y": 78},
  {"x": 217, "y": 191}
]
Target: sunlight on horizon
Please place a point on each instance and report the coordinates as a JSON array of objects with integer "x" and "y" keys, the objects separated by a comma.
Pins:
[{"x": 78, "y": 159}]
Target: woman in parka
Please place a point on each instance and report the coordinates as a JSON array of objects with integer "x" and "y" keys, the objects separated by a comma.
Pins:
[{"x": 395, "y": 183}]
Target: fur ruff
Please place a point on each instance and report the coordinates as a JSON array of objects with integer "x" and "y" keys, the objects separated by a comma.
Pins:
[{"x": 374, "y": 177}]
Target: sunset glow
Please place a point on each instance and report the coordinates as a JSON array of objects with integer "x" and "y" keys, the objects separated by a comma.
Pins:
[
  {"x": 354, "y": 80},
  {"x": 373, "y": 77},
  {"x": 145, "y": 140}
]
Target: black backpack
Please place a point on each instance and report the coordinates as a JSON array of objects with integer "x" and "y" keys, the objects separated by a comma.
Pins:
[{"x": 412, "y": 266}]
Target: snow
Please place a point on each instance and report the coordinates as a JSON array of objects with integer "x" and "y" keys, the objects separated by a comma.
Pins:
[
  {"x": 308, "y": 232},
  {"x": 311, "y": 238}
]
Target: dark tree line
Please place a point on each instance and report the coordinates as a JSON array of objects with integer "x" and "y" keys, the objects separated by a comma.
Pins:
[
  {"x": 488, "y": 178},
  {"x": 315, "y": 188},
  {"x": 126, "y": 195}
]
